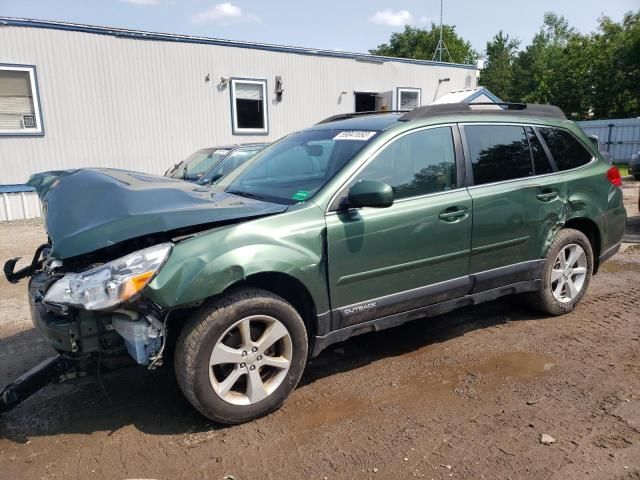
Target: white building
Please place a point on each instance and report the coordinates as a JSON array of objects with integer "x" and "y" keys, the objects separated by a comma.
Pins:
[{"x": 84, "y": 96}]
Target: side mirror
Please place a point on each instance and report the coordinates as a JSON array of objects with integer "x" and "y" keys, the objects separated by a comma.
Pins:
[{"x": 370, "y": 193}]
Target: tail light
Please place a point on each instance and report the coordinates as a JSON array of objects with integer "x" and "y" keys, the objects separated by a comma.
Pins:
[{"x": 613, "y": 175}]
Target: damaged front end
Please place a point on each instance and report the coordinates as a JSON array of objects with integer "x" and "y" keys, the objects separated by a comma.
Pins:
[
  {"x": 95, "y": 319},
  {"x": 110, "y": 232},
  {"x": 95, "y": 308}
]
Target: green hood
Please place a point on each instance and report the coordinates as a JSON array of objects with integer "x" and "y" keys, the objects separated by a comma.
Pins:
[{"x": 89, "y": 209}]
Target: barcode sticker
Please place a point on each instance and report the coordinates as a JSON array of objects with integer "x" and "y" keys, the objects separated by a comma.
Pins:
[{"x": 361, "y": 135}]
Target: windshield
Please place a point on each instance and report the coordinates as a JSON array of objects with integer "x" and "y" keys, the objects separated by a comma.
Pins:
[
  {"x": 228, "y": 165},
  {"x": 196, "y": 164},
  {"x": 296, "y": 167}
]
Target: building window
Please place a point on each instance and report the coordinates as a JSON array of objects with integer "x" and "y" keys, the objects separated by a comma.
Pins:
[
  {"x": 249, "y": 106},
  {"x": 408, "y": 98},
  {"x": 19, "y": 103}
]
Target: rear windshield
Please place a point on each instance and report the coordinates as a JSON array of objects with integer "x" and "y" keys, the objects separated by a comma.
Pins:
[{"x": 296, "y": 167}]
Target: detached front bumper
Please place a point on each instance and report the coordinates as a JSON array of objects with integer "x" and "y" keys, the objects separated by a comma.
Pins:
[{"x": 73, "y": 331}]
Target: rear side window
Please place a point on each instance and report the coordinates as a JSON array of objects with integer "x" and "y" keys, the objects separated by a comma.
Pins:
[
  {"x": 541, "y": 164},
  {"x": 416, "y": 164},
  {"x": 498, "y": 152},
  {"x": 565, "y": 149}
]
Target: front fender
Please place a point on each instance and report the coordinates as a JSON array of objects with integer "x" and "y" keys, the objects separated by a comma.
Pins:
[{"x": 208, "y": 264}]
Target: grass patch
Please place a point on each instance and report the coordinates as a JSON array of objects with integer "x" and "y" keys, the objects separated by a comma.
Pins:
[{"x": 623, "y": 167}]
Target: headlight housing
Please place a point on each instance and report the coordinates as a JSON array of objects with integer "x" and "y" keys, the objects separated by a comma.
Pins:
[{"x": 110, "y": 284}]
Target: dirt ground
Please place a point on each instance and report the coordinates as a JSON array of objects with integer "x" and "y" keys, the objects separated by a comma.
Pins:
[{"x": 465, "y": 395}]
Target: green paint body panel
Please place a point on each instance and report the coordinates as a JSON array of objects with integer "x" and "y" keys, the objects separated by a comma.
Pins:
[
  {"x": 207, "y": 264},
  {"x": 377, "y": 252}
]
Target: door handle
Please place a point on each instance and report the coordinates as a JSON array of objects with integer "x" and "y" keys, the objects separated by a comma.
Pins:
[
  {"x": 547, "y": 196},
  {"x": 450, "y": 215}
]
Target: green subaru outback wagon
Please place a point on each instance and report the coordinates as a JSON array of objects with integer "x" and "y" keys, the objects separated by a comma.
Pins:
[{"x": 356, "y": 224}]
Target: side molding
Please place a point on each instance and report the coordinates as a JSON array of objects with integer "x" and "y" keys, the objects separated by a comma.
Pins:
[{"x": 323, "y": 341}]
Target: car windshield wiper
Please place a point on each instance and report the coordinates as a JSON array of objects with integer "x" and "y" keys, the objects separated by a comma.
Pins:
[
  {"x": 175, "y": 167},
  {"x": 242, "y": 193}
]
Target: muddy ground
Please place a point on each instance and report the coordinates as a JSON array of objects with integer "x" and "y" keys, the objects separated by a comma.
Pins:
[{"x": 466, "y": 395}]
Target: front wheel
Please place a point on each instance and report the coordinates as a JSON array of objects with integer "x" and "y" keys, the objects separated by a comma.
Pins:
[
  {"x": 566, "y": 275},
  {"x": 240, "y": 356}
]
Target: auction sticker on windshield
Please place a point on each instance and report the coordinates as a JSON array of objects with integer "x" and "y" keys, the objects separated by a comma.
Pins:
[{"x": 362, "y": 135}]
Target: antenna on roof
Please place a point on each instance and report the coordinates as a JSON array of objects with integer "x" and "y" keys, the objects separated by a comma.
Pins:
[{"x": 441, "y": 46}]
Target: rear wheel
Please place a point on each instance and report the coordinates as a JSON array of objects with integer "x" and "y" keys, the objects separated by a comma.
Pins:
[
  {"x": 566, "y": 275},
  {"x": 240, "y": 356}
]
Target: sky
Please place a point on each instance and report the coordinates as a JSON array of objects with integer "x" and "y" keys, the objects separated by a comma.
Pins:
[{"x": 355, "y": 26}]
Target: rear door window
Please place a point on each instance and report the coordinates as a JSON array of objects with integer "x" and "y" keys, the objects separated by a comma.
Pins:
[
  {"x": 498, "y": 153},
  {"x": 565, "y": 149}
]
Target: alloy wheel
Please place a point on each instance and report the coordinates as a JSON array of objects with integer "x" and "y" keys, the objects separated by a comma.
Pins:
[
  {"x": 250, "y": 360},
  {"x": 569, "y": 273}
]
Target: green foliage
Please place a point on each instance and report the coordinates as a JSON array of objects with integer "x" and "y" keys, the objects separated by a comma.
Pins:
[
  {"x": 421, "y": 43},
  {"x": 498, "y": 75},
  {"x": 589, "y": 76},
  {"x": 594, "y": 75}
]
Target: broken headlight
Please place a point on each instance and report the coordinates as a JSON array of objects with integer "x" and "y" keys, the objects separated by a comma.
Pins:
[{"x": 109, "y": 284}]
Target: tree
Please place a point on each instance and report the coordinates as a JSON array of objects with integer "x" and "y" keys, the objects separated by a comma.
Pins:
[
  {"x": 554, "y": 68},
  {"x": 421, "y": 43},
  {"x": 615, "y": 67},
  {"x": 498, "y": 73}
]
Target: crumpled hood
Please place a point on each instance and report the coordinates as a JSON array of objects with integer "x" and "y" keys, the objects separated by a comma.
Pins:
[{"x": 89, "y": 209}]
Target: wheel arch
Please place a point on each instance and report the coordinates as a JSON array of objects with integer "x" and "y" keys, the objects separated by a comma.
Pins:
[
  {"x": 590, "y": 230},
  {"x": 290, "y": 289}
]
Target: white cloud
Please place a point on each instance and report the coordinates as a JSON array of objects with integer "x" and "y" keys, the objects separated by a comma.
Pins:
[
  {"x": 391, "y": 18},
  {"x": 424, "y": 19},
  {"x": 142, "y": 2},
  {"x": 223, "y": 12}
]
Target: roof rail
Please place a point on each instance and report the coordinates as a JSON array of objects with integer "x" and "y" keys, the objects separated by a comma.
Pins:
[
  {"x": 345, "y": 116},
  {"x": 517, "y": 109}
]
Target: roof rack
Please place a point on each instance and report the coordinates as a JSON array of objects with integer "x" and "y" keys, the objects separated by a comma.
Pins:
[
  {"x": 516, "y": 109},
  {"x": 345, "y": 116}
]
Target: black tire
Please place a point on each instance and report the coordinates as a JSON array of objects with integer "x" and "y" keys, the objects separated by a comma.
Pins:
[
  {"x": 200, "y": 335},
  {"x": 636, "y": 176},
  {"x": 543, "y": 300}
]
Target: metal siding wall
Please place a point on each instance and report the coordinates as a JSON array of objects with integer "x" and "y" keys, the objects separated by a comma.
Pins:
[
  {"x": 19, "y": 206},
  {"x": 143, "y": 105},
  {"x": 625, "y": 136}
]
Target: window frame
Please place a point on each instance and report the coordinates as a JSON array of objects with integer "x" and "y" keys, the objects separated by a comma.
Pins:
[
  {"x": 401, "y": 90},
  {"x": 469, "y": 166},
  {"x": 335, "y": 203},
  {"x": 35, "y": 96},
  {"x": 234, "y": 114}
]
